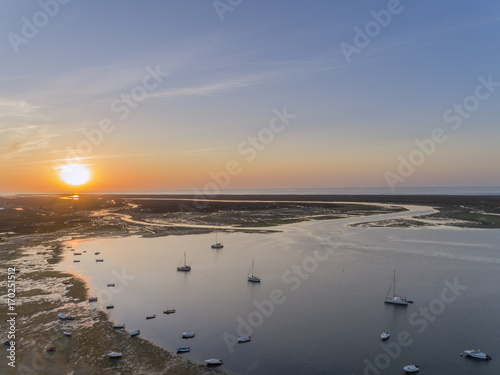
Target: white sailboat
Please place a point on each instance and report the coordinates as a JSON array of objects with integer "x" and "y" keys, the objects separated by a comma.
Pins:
[
  {"x": 251, "y": 276},
  {"x": 394, "y": 299},
  {"x": 185, "y": 267},
  {"x": 217, "y": 245}
]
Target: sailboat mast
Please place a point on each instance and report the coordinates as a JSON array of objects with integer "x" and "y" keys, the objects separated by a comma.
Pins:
[{"x": 394, "y": 290}]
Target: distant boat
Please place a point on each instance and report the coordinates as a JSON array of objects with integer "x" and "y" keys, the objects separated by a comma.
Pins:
[
  {"x": 97, "y": 253},
  {"x": 243, "y": 339},
  {"x": 185, "y": 267},
  {"x": 411, "y": 368},
  {"x": 99, "y": 260},
  {"x": 183, "y": 350},
  {"x": 187, "y": 335},
  {"x": 67, "y": 333},
  {"x": 119, "y": 326},
  {"x": 7, "y": 342},
  {"x": 76, "y": 253},
  {"x": 251, "y": 276},
  {"x": 76, "y": 261},
  {"x": 394, "y": 299},
  {"x": 111, "y": 285},
  {"x": 477, "y": 354},
  {"x": 214, "y": 362},
  {"x": 217, "y": 245},
  {"x": 51, "y": 349},
  {"x": 66, "y": 282},
  {"x": 114, "y": 355},
  {"x": 169, "y": 311},
  {"x": 93, "y": 299},
  {"x": 150, "y": 316},
  {"x": 385, "y": 335},
  {"x": 135, "y": 333},
  {"x": 62, "y": 316},
  {"x": 110, "y": 306}
]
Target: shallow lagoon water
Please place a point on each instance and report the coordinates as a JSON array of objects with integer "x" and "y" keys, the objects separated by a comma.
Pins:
[{"x": 329, "y": 314}]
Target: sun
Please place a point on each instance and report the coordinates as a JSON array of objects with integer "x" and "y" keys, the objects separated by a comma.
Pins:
[{"x": 74, "y": 174}]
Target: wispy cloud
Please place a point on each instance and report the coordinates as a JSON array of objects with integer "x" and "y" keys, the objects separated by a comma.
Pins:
[
  {"x": 23, "y": 139},
  {"x": 17, "y": 109}
]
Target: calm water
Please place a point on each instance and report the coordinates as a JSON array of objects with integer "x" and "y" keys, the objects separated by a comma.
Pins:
[{"x": 328, "y": 315}]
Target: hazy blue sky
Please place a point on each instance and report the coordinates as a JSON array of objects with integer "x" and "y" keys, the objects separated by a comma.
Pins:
[{"x": 356, "y": 104}]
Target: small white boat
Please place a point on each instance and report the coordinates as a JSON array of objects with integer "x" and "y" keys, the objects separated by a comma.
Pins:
[
  {"x": 214, "y": 362},
  {"x": 62, "y": 316},
  {"x": 394, "y": 299},
  {"x": 114, "y": 355},
  {"x": 217, "y": 245},
  {"x": 244, "y": 339},
  {"x": 385, "y": 335},
  {"x": 251, "y": 276},
  {"x": 187, "y": 335},
  {"x": 477, "y": 354},
  {"x": 119, "y": 326},
  {"x": 135, "y": 333},
  {"x": 411, "y": 368},
  {"x": 67, "y": 333},
  {"x": 185, "y": 267},
  {"x": 183, "y": 350},
  {"x": 150, "y": 316}
]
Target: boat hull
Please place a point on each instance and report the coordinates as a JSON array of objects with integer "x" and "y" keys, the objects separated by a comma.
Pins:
[
  {"x": 396, "y": 301},
  {"x": 477, "y": 354}
]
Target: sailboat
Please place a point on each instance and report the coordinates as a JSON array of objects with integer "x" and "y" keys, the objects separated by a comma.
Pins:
[
  {"x": 251, "y": 276},
  {"x": 185, "y": 267},
  {"x": 394, "y": 299},
  {"x": 217, "y": 245}
]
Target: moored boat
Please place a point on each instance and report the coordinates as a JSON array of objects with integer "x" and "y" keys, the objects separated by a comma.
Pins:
[
  {"x": 244, "y": 339},
  {"x": 394, "y": 299},
  {"x": 385, "y": 335},
  {"x": 214, "y": 362},
  {"x": 135, "y": 333},
  {"x": 411, "y": 368},
  {"x": 477, "y": 354},
  {"x": 62, "y": 316},
  {"x": 169, "y": 311},
  {"x": 119, "y": 326},
  {"x": 114, "y": 355},
  {"x": 187, "y": 335},
  {"x": 150, "y": 316},
  {"x": 183, "y": 350},
  {"x": 185, "y": 267},
  {"x": 67, "y": 333},
  {"x": 251, "y": 277}
]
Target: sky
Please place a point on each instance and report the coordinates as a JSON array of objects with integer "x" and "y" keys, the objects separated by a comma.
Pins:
[{"x": 237, "y": 94}]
